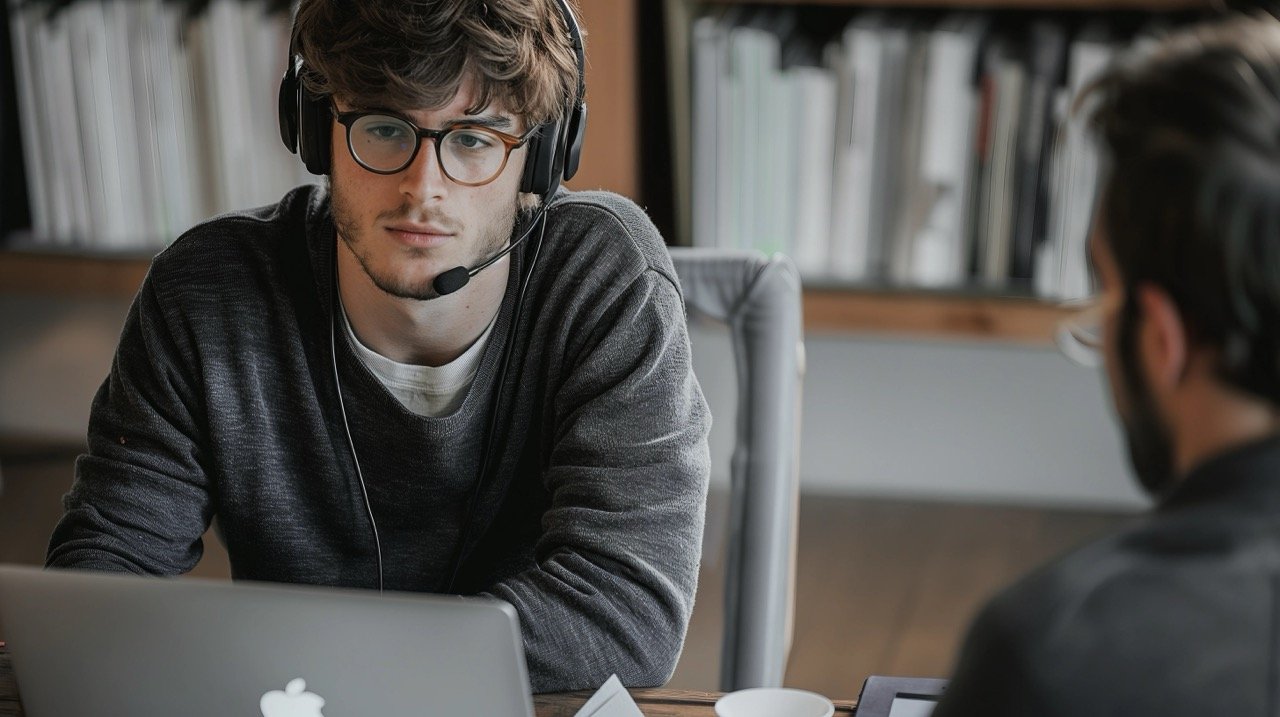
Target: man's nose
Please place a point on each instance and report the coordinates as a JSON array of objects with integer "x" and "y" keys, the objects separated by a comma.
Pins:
[{"x": 424, "y": 179}]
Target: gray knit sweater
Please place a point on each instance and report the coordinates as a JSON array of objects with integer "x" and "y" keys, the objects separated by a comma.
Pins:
[{"x": 222, "y": 402}]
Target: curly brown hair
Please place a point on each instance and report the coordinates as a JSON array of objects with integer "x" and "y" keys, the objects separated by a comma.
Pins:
[{"x": 412, "y": 54}]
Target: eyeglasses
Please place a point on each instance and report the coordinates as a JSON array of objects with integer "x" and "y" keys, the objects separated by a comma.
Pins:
[
  {"x": 386, "y": 143},
  {"x": 1079, "y": 333}
]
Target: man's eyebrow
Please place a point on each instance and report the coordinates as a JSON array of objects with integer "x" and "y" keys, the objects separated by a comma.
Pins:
[
  {"x": 490, "y": 121},
  {"x": 500, "y": 122}
]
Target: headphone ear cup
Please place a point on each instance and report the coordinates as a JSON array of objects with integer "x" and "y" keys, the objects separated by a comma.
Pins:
[
  {"x": 540, "y": 164},
  {"x": 314, "y": 128},
  {"x": 288, "y": 109},
  {"x": 577, "y": 130}
]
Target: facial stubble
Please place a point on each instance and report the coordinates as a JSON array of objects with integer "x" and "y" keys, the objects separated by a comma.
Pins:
[{"x": 347, "y": 223}]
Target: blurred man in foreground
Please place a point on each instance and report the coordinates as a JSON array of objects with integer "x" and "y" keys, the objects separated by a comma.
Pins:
[{"x": 1180, "y": 614}]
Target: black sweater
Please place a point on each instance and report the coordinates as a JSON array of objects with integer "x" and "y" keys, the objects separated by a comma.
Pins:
[{"x": 222, "y": 401}]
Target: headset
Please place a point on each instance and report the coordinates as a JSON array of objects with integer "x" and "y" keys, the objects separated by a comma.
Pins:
[{"x": 554, "y": 152}]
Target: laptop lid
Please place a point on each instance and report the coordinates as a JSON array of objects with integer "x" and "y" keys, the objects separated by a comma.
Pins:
[
  {"x": 884, "y": 696},
  {"x": 91, "y": 644}
]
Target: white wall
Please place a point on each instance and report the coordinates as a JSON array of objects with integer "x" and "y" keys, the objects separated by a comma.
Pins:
[
  {"x": 936, "y": 419},
  {"x": 880, "y": 416}
]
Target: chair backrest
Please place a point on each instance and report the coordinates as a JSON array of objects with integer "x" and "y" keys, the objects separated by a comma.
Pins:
[{"x": 758, "y": 297}]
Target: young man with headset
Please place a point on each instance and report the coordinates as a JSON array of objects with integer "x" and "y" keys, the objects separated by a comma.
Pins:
[{"x": 438, "y": 373}]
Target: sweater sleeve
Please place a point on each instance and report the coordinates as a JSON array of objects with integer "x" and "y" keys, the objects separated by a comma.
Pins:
[
  {"x": 140, "y": 501},
  {"x": 617, "y": 563}
]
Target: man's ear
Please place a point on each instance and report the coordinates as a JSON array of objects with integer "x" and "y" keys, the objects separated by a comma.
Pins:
[{"x": 1162, "y": 337}]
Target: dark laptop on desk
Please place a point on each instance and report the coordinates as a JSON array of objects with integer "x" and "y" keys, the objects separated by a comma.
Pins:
[
  {"x": 884, "y": 696},
  {"x": 92, "y": 644}
]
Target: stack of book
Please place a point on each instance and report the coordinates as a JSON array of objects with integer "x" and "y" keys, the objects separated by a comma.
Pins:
[
  {"x": 140, "y": 118},
  {"x": 908, "y": 149}
]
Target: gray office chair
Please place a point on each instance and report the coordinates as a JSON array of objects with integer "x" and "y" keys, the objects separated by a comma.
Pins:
[{"x": 759, "y": 298}]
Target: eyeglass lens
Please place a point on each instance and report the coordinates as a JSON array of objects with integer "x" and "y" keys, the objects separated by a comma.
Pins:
[
  {"x": 1079, "y": 336},
  {"x": 386, "y": 144}
]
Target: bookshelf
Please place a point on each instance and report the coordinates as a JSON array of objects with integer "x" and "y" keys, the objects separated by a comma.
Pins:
[
  {"x": 612, "y": 161},
  {"x": 941, "y": 314}
]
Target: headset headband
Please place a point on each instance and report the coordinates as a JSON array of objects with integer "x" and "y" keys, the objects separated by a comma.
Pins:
[{"x": 554, "y": 151}]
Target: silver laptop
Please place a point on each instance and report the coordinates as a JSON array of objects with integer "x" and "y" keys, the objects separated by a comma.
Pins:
[{"x": 92, "y": 644}]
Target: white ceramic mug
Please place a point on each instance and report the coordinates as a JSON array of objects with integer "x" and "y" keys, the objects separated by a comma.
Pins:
[{"x": 774, "y": 702}]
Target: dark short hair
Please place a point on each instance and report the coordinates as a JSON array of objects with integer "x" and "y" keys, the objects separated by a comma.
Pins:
[
  {"x": 410, "y": 54},
  {"x": 1190, "y": 133}
]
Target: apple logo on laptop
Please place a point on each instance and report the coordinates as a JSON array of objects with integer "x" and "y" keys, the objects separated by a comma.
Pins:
[{"x": 295, "y": 701}]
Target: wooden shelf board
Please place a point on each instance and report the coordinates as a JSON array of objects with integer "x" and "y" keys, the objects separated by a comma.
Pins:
[
  {"x": 826, "y": 310},
  {"x": 71, "y": 275},
  {"x": 948, "y": 316}
]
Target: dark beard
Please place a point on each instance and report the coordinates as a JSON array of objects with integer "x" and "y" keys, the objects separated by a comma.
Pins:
[
  {"x": 1149, "y": 439},
  {"x": 1150, "y": 445}
]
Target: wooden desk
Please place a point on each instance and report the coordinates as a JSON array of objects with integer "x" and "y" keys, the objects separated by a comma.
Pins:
[
  {"x": 653, "y": 702},
  {"x": 657, "y": 702}
]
